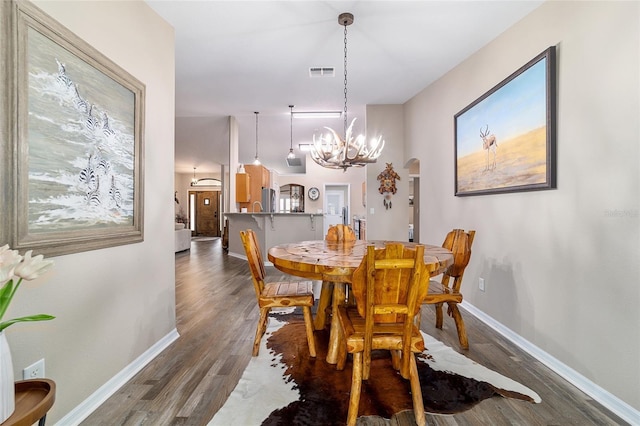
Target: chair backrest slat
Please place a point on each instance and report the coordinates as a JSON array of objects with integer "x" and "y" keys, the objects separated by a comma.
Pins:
[
  {"x": 396, "y": 274},
  {"x": 340, "y": 233},
  {"x": 459, "y": 242},
  {"x": 254, "y": 257}
]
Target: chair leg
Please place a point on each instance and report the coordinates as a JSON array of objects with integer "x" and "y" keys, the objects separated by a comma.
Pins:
[
  {"x": 262, "y": 327},
  {"x": 334, "y": 343},
  {"x": 342, "y": 350},
  {"x": 308, "y": 324},
  {"x": 356, "y": 385},
  {"x": 351, "y": 299},
  {"x": 405, "y": 364},
  {"x": 342, "y": 358},
  {"x": 439, "y": 315},
  {"x": 462, "y": 332},
  {"x": 396, "y": 356},
  {"x": 326, "y": 293},
  {"x": 416, "y": 392},
  {"x": 366, "y": 365}
]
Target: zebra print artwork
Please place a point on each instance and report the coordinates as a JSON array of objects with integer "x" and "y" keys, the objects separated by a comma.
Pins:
[{"x": 81, "y": 143}]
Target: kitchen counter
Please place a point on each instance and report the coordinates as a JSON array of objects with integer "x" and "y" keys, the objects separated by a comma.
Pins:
[{"x": 273, "y": 229}]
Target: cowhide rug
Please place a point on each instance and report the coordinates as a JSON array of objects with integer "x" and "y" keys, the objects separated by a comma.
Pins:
[{"x": 284, "y": 386}]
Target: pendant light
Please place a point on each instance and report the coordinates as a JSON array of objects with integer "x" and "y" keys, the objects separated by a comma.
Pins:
[
  {"x": 292, "y": 160},
  {"x": 194, "y": 180},
  {"x": 291, "y": 155},
  {"x": 256, "y": 161},
  {"x": 333, "y": 152}
]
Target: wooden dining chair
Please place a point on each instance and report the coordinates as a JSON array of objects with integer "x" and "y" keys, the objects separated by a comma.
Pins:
[
  {"x": 388, "y": 287},
  {"x": 459, "y": 242},
  {"x": 337, "y": 234},
  {"x": 340, "y": 233},
  {"x": 276, "y": 294}
]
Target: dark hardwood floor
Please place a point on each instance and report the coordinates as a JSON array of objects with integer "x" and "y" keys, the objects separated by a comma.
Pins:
[{"x": 216, "y": 316}]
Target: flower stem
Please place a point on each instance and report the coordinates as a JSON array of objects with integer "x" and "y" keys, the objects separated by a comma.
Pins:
[{"x": 6, "y": 294}]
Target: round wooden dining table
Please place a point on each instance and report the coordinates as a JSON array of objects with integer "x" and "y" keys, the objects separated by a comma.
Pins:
[{"x": 334, "y": 264}]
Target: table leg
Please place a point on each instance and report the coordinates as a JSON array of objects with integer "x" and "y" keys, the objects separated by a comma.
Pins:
[
  {"x": 338, "y": 299},
  {"x": 323, "y": 303}
]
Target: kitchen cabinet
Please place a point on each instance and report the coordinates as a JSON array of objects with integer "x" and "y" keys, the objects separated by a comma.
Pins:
[
  {"x": 259, "y": 177},
  {"x": 243, "y": 188}
]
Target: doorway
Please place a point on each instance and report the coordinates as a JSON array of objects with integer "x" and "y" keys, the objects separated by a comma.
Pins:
[
  {"x": 204, "y": 213},
  {"x": 336, "y": 205},
  {"x": 414, "y": 199}
]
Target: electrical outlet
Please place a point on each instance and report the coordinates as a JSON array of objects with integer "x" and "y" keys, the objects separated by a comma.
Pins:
[
  {"x": 481, "y": 284},
  {"x": 34, "y": 371}
]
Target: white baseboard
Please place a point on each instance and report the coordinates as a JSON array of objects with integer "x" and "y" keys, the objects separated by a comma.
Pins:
[
  {"x": 244, "y": 257},
  {"x": 610, "y": 401},
  {"x": 89, "y": 405},
  {"x": 237, "y": 255}
]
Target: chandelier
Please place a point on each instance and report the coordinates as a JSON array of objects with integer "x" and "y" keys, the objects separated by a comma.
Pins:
[{"x": 333, "y": 152}]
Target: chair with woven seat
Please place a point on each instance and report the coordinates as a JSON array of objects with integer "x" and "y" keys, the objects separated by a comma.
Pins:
[
  {"x": 388, "y": 287},
  {"x": 335, "y": 234},
  {"x": 276, "y": 294},
  {"x": 459, "y": 242}
]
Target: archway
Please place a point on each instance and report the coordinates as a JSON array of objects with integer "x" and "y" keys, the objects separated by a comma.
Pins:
[{"x": 414, "y": 198}]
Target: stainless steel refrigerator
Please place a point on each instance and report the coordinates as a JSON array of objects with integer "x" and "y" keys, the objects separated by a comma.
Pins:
[{"x": 268, "y": 200}]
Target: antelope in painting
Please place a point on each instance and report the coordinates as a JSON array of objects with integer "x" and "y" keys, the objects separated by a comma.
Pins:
[{"x": 490, "y": 144}]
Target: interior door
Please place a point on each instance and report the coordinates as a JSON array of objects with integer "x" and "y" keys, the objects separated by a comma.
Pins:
[
  {"x": 336, "y": 205},
  {"x": 207, "y": 213}
]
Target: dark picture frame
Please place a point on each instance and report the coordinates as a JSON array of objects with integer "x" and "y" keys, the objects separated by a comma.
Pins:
[
  {"x": 73, "y": 140},
  {"x": 505, "y": 141}
]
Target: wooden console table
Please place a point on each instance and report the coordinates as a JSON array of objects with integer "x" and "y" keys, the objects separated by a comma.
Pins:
[{"x": 34, "y": 398}]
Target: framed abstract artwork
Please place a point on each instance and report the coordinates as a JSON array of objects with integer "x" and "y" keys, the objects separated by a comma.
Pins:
[
  {"x": 505, "y": 141},
  {"x": 73, "y": 135}
]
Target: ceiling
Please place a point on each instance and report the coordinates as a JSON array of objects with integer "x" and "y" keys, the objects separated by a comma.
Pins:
[{"x": 235, "y": 58}]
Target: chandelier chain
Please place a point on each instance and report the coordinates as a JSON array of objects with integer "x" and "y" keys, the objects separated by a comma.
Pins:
[{"x": 345, "y": 79}]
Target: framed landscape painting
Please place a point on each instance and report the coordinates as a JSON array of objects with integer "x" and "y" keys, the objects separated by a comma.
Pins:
[
  {"x": 505, "y": 141},
  {"x": 74, "y": 164}
]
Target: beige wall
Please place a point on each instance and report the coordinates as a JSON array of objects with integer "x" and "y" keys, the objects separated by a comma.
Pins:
[
  {"x": 383, "y": 223},
  {"x": 111, "y": 304},
  {"x": 561, "y": 270},
  {"x": 561, "y": 267}
]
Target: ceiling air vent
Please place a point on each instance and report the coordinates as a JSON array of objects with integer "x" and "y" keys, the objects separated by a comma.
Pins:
[
  {"x": 322, "y": 72},
  {"x": 294, "y": 162}
]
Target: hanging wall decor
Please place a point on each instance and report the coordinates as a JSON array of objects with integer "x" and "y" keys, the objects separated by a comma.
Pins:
[
  {"x": 72, "y": 175},
  {"x": 387, "y": 187},
  {"x": 505, "y": 141}
]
